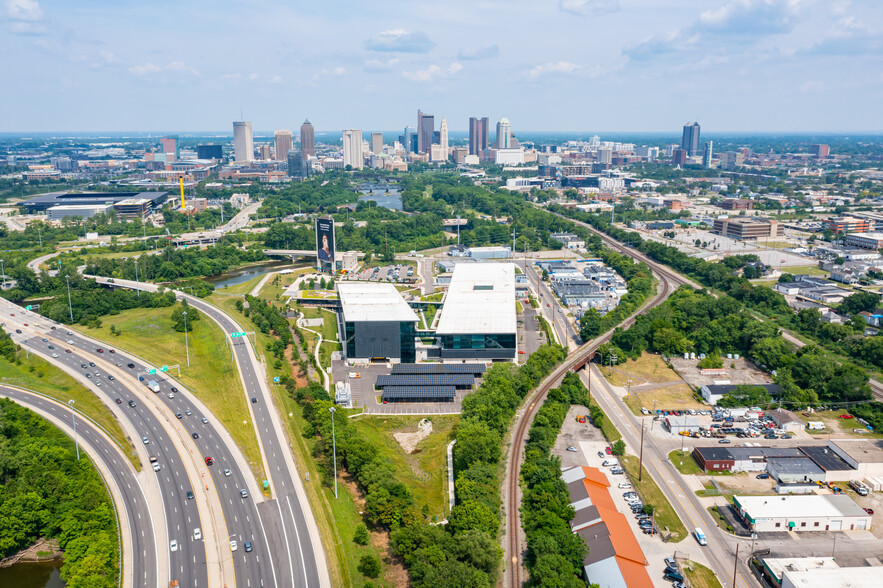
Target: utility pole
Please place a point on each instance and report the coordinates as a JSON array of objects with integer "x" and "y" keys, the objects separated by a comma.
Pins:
[
  {"x": 70, "y": 306},
  {"x": 186, "y": 344},
  {"x": 3, "y": 271},
  {"x": 736, "y": 566},
  {"x": 74, "y": 421},
  {"x": 40, "y": 236},
  {"x": 641, "y": 454},
  {"x": 334, "y": 447}
]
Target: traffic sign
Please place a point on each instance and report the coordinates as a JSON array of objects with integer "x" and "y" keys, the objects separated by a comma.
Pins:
[
  {"x": 164, "y": 368},
  {"x": 151, "y": 371},
  {"x": 29, "y": 307},
  {"x": 239, "y": 334}
]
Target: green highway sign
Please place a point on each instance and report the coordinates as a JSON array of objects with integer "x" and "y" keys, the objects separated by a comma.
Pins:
[
  {"x": 151, "y": 371},
  {"x": 239, "y": 334},
  {"x": 29, "y": 307},
  {"x": 164, "y": 368}
]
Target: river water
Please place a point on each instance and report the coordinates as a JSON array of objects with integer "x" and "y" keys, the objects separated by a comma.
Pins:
[
  {"x": 245, "y": 274},
  {"x": 32, "y": 575},
  {"x": 378, "y": 193}
]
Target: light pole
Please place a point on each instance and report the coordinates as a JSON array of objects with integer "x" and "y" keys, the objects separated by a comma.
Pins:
[
  {"x": 74, "y": 421},
  {"x": 186, "y": 343},
  {"x": 40, "y": 236},
  {"x": 3, "y": 271},
  {"x": 70, "y": 305},
  {"x": 136, "y": 278},
  {"x": 334, "y": 447}
]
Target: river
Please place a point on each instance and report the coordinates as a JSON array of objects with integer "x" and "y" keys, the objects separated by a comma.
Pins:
[
  {"x": 378, "y": 193},
  {"x": 32, "y": 575},
  {"x": 244, "y": 274}
]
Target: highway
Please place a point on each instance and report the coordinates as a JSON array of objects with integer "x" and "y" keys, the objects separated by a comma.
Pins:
[
  {"x": 132, "y": 508},
  {"x": 240, "y": 520},
  {"x": 294, "y": 544}
]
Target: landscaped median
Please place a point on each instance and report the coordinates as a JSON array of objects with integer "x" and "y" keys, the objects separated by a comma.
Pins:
[
  {"x": 684, "y": 462},
  {"x": 665, "y": 516},
  {"x": 700, "y": 576}
]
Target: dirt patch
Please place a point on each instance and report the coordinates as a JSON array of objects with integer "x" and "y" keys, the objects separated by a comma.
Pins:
[
  {"x": 648, "y": 368},
  {"x": 744, "y": 483},
  {"x": 42, "y": 550},
  {"x": 410, "y": 440},
  {"x": 736, "y": 371}
]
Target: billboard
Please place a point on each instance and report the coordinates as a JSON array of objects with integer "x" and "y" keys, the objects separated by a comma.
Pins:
[{"x": 325, "y": 241}]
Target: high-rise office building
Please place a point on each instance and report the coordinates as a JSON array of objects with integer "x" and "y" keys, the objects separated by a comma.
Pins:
[
  {"x": 425, "y": 129},
  {"x": 408, "y": 139},
  {"x": 376, "y": 143},
  {"x": 478, "y": 135},
  {"x": 352, "y": 148},
  {"x": 690, "y": 139},
  {"x": 295, "y": 164},
  {"x": 443, "y": 134},
  {"x": 307, "y": 139},
  {"x": 504, "y": 131},
  {"x": 243, "y": 141},
  {"x": 170, "y": 147},
  {"x": 283, "y": 141},
  {"x": 709, "y": 152},
  {"x": 265, "y": 152},
  {"x": 819, "y": 150},
  {"x": 605, "y": 156},
  {"x": 679, "y": 157},
  {"x": 209, "y": 151}
]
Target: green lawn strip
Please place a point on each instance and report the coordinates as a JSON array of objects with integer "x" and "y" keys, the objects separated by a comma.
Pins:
[
  {"x": 700, "y": 576},
  {"x": 610, "y": 431},
  {"x": 684, "y": 462},
  {"x": 428, "y": 483},
  {"x": 240, "y": 289},
  {"x": 719, "y": 519},
  {"x": 38, "y": 375},
  {"x": 212, "y": 375},
  {"x": 665, "y": 515}
]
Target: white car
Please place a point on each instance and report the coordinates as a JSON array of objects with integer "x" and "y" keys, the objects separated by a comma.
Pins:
[
  {"x": 155, "y": 467},
  {"x": 173, "y": 545},
  {"x": 197, "y": 534},
  {"x": 624, "y": 485},
  {"x": 233, "y": 545},
  {"x": 226, "y": 472}
]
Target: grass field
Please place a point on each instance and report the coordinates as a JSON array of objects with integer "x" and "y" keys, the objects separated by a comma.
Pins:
[
  {"x": 647, "y": 368},
  {"x": 665, "y": 515},
  {"x": 424, "y": 471},
  {"x": 689, "y": 467},
  {"x": 811, "y": 270},
  {"x": 666, "y": 398},
  {"x": 776, "y": 244},
  {"x": 38, "y": 375},
  {"x": 610, "y": 432},
  {"x": 700, "y": 576},
  {"x": 212, "y": 376}
]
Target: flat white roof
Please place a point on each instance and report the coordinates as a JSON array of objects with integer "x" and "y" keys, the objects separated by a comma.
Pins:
[
  {"x": 861, "y": 577},
  {"x": 480, "y": 300},
  {"x": 373, "y": 302},
  {"x": 797, "y": 507}
]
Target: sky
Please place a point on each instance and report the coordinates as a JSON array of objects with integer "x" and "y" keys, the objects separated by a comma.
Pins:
[{"x": 546, "y": 65}]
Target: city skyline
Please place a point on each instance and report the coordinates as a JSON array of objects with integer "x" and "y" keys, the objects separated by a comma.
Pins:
[{"x": 735, "y": 65}]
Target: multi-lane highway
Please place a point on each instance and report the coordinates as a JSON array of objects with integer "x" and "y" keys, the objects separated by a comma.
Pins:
[
  {"x": 136, "y": 519},
  {"x": 295, "y": 547}
]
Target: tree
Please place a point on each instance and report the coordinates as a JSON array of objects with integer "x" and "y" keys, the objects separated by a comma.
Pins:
[
  {"x": 618, "y": 447},
  {"x": 746, "y": 395},
  {"x": 361, "y": 535},
  {"x": 369, "y": 565},
  {"x": 860, "y": 302},
  {"x": 476, "y": 441},
  {"x": 712, "y": 361},
  {"x": 786, "y": 278},
  {"x": 670, "y": 341},
  {"x": 590, "y": 324}
]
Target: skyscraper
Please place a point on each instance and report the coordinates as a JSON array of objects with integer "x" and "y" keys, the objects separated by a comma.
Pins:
[
  {"x": 690, "y": 139},
  {"x": 295, "y": 164},
  {"x": 243, "y": 141},
  {"x": 819, "y": 150},
  {"x": 307, "y": 139},
  {"x": 376, "y": 143},
  {"x": 283, "y": 144},
  {"x": 478, "y": 135},
  {"x": 443, "y": 134},
  {"x": 352, "y": 148},
  {"x": 170, "y": 147},
  {"x": 504, "y": 129},
  {"x": 425, "y": 128},
  {"x": 706, "y": 157},
  {"x": 408, "y": 139}
]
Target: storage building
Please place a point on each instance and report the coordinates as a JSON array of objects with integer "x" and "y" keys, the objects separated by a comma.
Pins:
[
  {"x": 865, "y": 455},
  {"x": 786, "y": 420},
  {"x": 802, "y": 513}
]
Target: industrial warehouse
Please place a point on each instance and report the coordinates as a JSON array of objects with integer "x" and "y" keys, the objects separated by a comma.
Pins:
[{"x": 812, "y": 512}]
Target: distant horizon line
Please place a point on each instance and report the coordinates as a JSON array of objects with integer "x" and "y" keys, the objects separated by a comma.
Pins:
[{"x": 269, "y": 133}]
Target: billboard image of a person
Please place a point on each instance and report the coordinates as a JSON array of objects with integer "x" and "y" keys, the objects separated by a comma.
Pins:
[{"x": 325, "y": 240}]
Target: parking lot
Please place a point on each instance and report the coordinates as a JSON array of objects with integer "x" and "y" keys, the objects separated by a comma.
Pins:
[{"x": 398, "y": 273}]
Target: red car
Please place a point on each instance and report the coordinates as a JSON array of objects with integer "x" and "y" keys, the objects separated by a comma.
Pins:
[
  {"x": 111, "y": 351},
  {"x": 870, "y": 511},
  {"x": 208, "y": 461},
  {"x": 608, "y": 451},
  {"x": 845, "y": 416},
  {"x": 100, "y": 350}
]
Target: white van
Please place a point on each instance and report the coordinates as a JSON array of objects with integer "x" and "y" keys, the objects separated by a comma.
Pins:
[
  {"x": 610, "y": 462},
  {"x": 700, "y": 536}
]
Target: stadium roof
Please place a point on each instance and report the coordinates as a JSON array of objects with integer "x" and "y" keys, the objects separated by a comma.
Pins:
[
  {"x": 373, "y": 302},
  {"x": 480, "y": 300}
]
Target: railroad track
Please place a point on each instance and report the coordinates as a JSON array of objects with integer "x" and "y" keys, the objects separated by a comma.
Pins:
[{"x": 577, "y": 359}]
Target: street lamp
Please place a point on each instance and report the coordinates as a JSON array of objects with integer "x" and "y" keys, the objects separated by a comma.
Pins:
[
  {"x": 136, "y": 278},
  {"x": 186, "y": 344},
  {"x": 70, "y": 305},
  {"x": 40, "y": 236},
  {"x": 74, "y": 420},
  {"x": 334, "y": 446},
  {"x": 3, "y": 271}
]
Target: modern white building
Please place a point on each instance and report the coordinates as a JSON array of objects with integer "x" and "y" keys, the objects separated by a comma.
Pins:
[
  {"x": 478, "y": 313},
  {"x": 859, "y": 577},
  {"x": 812, "y": 512},
  {"x": 504, "y": 131},
  {"x": 376, "y": 323},
  {"x": 509, "y": 156},
  {"x": 243, "y": 141},
  {"x": 61, "y": 211},
  {"x": 352, "y": 148}
]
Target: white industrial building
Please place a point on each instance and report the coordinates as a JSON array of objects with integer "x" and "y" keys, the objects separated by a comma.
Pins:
[
  {"x": 478, "y": 313},
  {"x": 376, "y": 323},
  {"x": 61, "y": 211},
  {"x": 865, "y": 455},
  {"x": 838, "y": 512},
  {"x": 859, "y": 577}
]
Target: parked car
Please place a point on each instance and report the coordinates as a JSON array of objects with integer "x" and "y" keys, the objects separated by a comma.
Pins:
[{"x": 763, "y": 476}]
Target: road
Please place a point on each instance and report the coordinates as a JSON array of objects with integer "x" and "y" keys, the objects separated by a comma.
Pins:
[
  {"x": 296, "y": 547},
  {"x": 240, "y": 518},
  {"x": 241, "y": 219},
  {"x": 133, "y": 510}
]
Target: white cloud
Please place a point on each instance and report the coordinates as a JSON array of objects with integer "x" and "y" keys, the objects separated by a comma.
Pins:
[
  {"x": 432, "y": 72},
  {"x": 488, "y": 52},
  {"x": 149, "y": 69},
  {"x": 380, "y": 66},
  {"x": 108, "y": 57},
  {"x": 556, "y": 68},
  {"x": 588, "y": 7},
  {"x": 751, "y": 17},
  {"x": 400, "y": 41},
  {"x": 25, "y": 17}
]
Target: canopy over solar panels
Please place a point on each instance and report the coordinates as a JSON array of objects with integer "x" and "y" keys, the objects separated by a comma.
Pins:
[
  {"x": 457, "y": 380},
  {"x": 476, "y": 369},
  {"x": 419, "y": 393}
]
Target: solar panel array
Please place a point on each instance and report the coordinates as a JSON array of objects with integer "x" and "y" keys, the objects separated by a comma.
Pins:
[
  {"x": 458, "y": 380},
  {"x": 419, "y": 393},
  {"x": 475, "y": 369}
]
